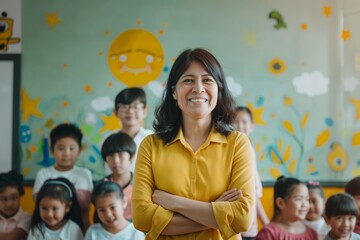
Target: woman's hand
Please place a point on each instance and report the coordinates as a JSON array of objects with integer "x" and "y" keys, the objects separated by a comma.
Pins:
[
  {"x": 230, "y": 196},
  {"x": 164, "y": 199}
]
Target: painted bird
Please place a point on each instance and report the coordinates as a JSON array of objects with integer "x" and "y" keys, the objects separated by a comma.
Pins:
[{"x": 280, "y": 23}]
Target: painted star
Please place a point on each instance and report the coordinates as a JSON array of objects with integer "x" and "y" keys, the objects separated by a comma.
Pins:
[
  {"x": 356, "y": 104},
  {"x": 304, "y": 26},
  {"x": 29, "y": 106},
  {"x": 111, "y": 123},
  {"x": 257, "y": 114},
  {"x": 345, "y": 34},
  {"x": 327, "y": 11},
  {"x": 250, "y": 39},
  {"x": 52, "y": 19}
]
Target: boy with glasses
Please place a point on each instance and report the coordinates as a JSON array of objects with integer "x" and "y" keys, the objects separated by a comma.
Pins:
[{"x": 130, "y": 108}]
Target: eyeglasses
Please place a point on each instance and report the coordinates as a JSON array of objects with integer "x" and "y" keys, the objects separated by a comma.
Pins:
[{"x": 135, "y": 107}]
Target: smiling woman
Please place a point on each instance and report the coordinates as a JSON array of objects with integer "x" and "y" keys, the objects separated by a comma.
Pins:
[{"x": 193, "y": 177}]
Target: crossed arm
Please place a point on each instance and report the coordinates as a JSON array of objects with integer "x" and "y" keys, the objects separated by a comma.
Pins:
[
  {"x": 161, "y": 213},
  {"x": 190, "y": 215}
]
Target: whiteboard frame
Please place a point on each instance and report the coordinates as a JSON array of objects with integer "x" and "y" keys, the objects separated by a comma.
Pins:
[{"x": 15, "y": 144}]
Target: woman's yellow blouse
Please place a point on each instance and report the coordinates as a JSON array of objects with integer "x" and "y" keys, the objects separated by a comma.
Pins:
[{"x": 220, "y": 164}]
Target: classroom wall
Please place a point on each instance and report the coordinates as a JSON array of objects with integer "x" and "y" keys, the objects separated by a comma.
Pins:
[{"x": 295, "y": 64}]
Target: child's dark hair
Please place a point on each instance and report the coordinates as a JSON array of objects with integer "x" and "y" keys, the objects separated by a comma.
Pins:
[
  {"x": 129, "y": 95},
  {"x": 102, "y": 189},
  {"x": 118, "y": 142},
  {"x": 283, "y": 188},
  {"x": 60, "y": 189},
  {"x": 311, "y": 185},
  {"x": 65, "y": 130},
  {"x": 245, "y": 109},
  {"x": 353, "y": 187},
  {"x": 12, "y": 179},
  {"x": 341, "y": 204}
]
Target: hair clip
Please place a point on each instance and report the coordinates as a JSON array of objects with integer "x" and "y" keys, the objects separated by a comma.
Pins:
[{"x": 314, "y": 184}]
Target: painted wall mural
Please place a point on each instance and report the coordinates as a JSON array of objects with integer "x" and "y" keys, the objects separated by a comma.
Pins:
[
  {"x": 6, "y": 32},
  {"x": 295, "y": 65},
  {"x": 136, "y": 57}
]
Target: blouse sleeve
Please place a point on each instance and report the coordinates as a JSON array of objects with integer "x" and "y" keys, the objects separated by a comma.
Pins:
[
  {"x": 147, "y": 216},
  {"x": 235, "y": 217}
]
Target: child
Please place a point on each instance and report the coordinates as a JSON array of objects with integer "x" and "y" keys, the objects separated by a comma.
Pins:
[
  {"x": 109, "y": 203},
  {"x": 14, "y": 222},
  {"x": 340, "y": 213},
  {"x": 118, "y": 151},
  {"x": 314, "y": 218},
  {"x": 244, "y": 123},
  {"x": 65, "y": 142},
  {"x": 57, "y": 212},
  {"x": 291, "y": 202},
  {"x": 130, "y": 108},
  {"x": 353, "y": 188}
]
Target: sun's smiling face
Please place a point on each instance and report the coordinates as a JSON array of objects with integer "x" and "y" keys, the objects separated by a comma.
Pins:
[{"x": 136, "y": 57}]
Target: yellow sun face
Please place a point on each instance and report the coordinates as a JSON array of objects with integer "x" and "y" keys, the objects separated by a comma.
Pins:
[{"x": 136, "y": 57}]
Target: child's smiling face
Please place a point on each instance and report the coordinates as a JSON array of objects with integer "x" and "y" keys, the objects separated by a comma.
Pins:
[
  {"x": 110, "y": 209},
  {"x": 296, "y": 206},
  {"x": 342, "y": 226},
  {"x": 66, "y": 151},
  {"x": 317, "y": 205},
  {"x": 52, "y": 212}
]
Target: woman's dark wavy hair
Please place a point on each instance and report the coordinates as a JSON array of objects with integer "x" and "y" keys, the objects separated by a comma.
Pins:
[
  {"x": 12, "y": 179},
  {"x": 283, "y": 188},
  {"x": 103, "y": 188},
  {"x": 52, "y": 188},
  {"x": 168, "y": 116}
]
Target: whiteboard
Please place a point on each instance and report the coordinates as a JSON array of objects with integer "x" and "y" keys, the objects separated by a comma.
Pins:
[
  {"x": 6, "y": 116},
  {"x": 9, "y": 111}
]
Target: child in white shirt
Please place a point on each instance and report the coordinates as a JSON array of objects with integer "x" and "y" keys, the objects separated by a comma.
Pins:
[
  {"x": 57, "y": 213},
  {"x": 110, "y": 223},
  {"x": 65, "y": 140}
]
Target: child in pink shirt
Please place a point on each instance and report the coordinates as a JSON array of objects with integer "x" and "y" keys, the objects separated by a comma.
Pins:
[
  {"x": 118, "y": 151},
  {"x": 291, "y": 203},
  {"x": 14, "y": 222}
]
